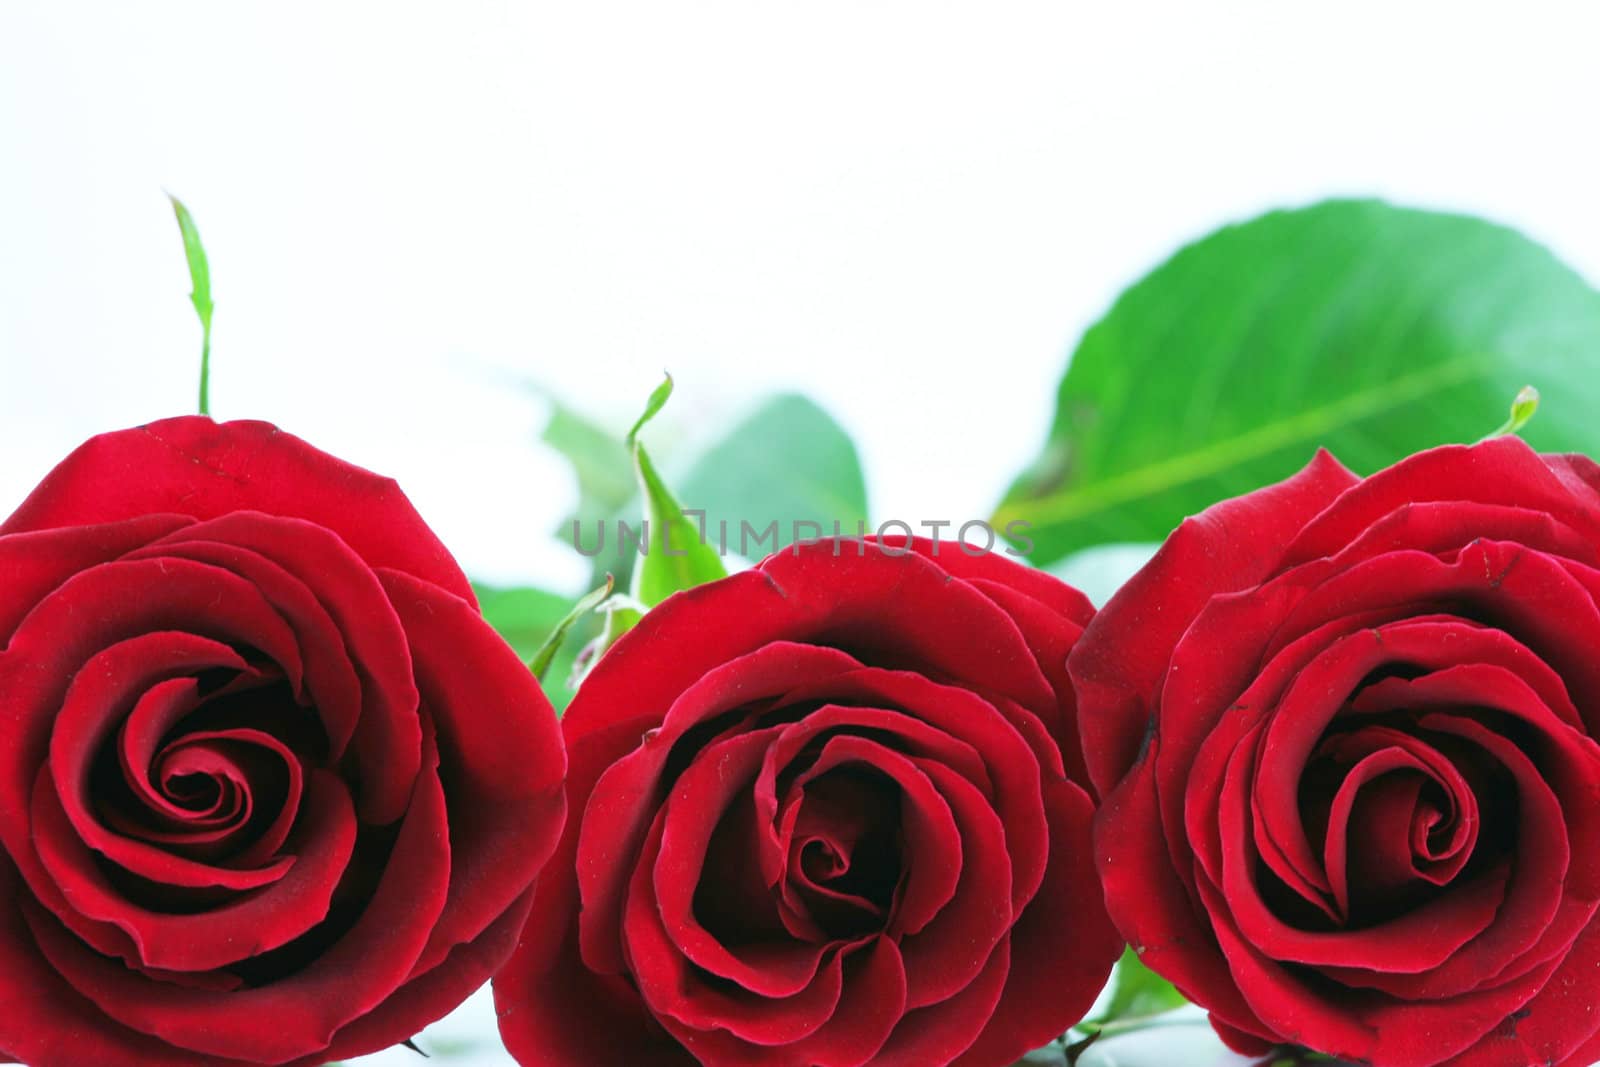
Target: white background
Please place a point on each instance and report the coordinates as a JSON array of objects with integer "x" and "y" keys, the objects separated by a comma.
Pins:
[{"x": 908, "y": 211}]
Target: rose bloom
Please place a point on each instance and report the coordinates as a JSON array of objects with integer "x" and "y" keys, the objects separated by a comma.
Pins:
[
  {"x": 271, "y": 791},
  {"x": 824, "y": 815},
  {"x": 1344, "y": 729}
]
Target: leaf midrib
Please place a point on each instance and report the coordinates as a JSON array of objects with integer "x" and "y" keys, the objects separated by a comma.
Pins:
[{"x": 1314, "y": 423}]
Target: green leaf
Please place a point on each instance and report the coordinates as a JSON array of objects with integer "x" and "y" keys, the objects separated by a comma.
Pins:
[
  {"x": 678, "y": 557},
  {"x": 1374, "y": 330},
  {"x": 525, "y": 618},
  {"x": 1137, "y": 993},
  {"x": 676, "y": 554},
  {"x": 199, "y": 295},
  {"x": 788, "y": 461},
  {"x": 539, "y": 664}
]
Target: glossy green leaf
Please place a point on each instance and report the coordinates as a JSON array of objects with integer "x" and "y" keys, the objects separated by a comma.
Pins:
[
  {"x": 200, "y": 293},
  {"x": 1373, "y": 330},
  {"x": 540, "y": 662}
]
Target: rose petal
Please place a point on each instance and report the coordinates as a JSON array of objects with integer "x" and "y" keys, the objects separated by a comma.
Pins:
[
  {"x": 299, "y": 1015},
  {"x": 553, "y": 1010},
  {"x": 46, "y": 1020},
  {"x": 1118, "y": 667},
  {"x": 940, "y": 1032},
  {"x": 874, "y": 980},
  {"x": 1409, "y": 943},
  {"x": 1502, "y": 471},
  {"x": 37, "y": 563},
  {"x": 662, "y": 933},
  {"x": 622, "y": 804},
  {"x": 331, "y": 684},
  {"x": 1149, "y": 905},
  {"x": 1012, "y": 780},
  {"x": 1381, "y": 799},
  {"x": 352, "y": 627},
  {"x": 1062, "y": 947},
  {"x": 950, "y": 952},
  {"x": 1363, "y": 1026},
  {"x": 899, "y": 612},
  {"x": 995, "y": 569},
  {"x": 193, "y": 466},
  {"x": 501, "y": 761},
  {"x": 432, "y": 996},
  {"x": 295, "y": 899}
]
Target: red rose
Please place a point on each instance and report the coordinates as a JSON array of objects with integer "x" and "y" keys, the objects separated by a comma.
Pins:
[
  {"x": 1345, "y": 733},
  {"x": 271, "y": 791},
  {"x": 825, "y": 821}
]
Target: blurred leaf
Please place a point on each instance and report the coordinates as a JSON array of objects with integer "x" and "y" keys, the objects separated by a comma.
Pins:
[
  {"x": 1374, "y": 330},
  {"x": 787, "y": 461},
  {"x": 199, "y": 295},
  {"x": 677, "y": 555},
  {"x": 599, "y": 460},
  {"x": 525, "y": 618},
  {"x": 784, "y": 462},
  {"x": 540, "y": 663}
]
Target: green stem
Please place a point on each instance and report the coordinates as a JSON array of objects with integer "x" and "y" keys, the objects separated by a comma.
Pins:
[
  {"x": 1523, "y": 406},
  {"x": 205, "y": 366},
  {"x": 200, "y": 296}
]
